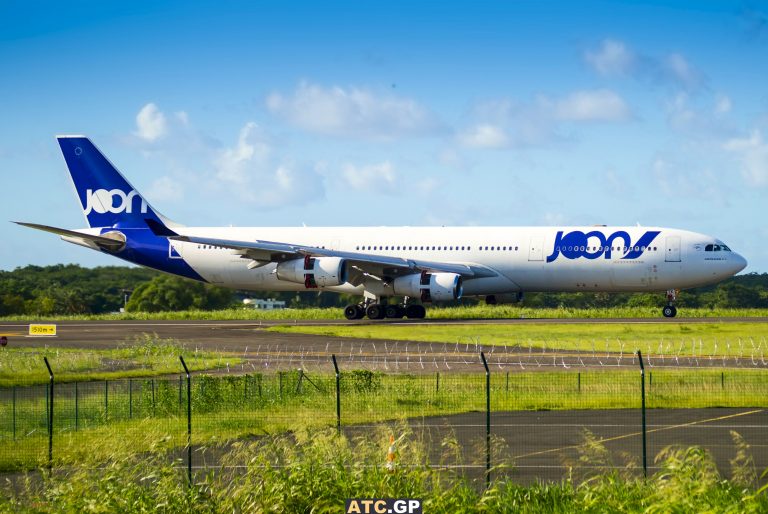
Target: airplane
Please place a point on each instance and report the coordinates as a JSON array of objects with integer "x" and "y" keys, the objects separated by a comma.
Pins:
[{"x": 420, "y": 265}]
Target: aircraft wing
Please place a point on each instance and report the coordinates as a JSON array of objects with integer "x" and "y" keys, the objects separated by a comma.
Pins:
[{"x": 264, "y": 252}]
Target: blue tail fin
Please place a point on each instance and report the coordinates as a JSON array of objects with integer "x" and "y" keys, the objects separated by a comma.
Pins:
[{"x": 107, "y": 199}]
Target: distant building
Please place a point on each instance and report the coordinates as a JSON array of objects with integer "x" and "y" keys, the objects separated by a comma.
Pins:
[{"x": 264, "y": 305}]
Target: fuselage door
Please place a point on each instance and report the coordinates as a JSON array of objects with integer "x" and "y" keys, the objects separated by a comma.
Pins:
[
  {"x": 673, "y": 249},
  {"x": 536, "y": 252}
]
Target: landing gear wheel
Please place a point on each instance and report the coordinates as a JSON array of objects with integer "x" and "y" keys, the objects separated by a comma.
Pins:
[
  {"x": 394, "y": 311},
  {"x": 375, "y": 311},
  {"x": 670, "y": 311},
  {"x": 416, "y": 311},
  {"x": 353, "y": 312}
]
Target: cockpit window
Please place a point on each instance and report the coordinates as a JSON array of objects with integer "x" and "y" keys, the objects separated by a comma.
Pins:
[{"x": 716, "y": 248}]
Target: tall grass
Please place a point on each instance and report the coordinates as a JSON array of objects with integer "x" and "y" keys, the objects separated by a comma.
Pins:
[{"x": 317, "y": 470}]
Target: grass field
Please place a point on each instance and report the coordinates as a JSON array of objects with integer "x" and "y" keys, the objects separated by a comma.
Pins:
[
  {"x": 731, "y": 339},
  {"x": 470, "y": 312},
  {"x": 235, "y": 407},
  {"x": 147, "y": 356}
]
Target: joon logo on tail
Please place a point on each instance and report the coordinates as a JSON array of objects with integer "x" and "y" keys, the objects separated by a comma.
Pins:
[
  {"x": 582, "y": 244},
  {"x": 114, "y": 201}
]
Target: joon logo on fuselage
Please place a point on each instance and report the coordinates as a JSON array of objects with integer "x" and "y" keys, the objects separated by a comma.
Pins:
[{"x": 582, "y": 244}]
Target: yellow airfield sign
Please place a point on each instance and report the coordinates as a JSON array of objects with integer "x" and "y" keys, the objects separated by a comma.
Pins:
[{"x": 42, "y": 330}]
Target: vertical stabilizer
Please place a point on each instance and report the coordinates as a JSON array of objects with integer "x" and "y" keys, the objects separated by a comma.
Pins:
[{"x": 106, "y": 197}]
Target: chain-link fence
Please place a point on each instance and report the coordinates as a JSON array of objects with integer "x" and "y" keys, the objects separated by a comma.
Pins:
[{"x": 530, "y": 425}]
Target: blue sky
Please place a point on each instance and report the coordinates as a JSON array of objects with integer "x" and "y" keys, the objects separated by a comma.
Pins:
[{"x": 391, "y": 113}]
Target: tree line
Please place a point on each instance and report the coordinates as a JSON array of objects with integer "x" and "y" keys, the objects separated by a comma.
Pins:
[{"x": 72, "y": 289}]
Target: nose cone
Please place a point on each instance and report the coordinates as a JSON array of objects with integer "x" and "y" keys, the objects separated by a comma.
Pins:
[{"x": 737, "y": 263}]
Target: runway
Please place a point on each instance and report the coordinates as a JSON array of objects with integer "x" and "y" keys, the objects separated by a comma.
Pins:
[
  {"x": 549, "y": 445},
  {"x": 262, "y": 348}
]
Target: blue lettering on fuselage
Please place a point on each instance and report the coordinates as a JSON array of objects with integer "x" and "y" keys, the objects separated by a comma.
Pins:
[{"x": 576, "y": 244}]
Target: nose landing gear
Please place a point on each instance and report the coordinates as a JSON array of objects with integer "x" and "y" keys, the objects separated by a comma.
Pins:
[{"x": 669, "y": 310}]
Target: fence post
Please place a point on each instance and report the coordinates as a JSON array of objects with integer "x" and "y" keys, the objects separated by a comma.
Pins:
[
  {"x": 106, "y": 400},
  {"x": 722, "y": 380},
  {"x": 189, "y": 420},
  {"x": 579, "y": 380},
  {"x": 77, "y": 408},
  {"x": 50, "y": 416},
  {"x": 487, "y": 421},
  {"x": 507, "y": 386},
  {"x": 258, "y": 383},
  {"x": 338, "y": 394},
  {"x": 642, "y": 395},
  {"x": 130, "y": 398},
  {"x": 245, "y": 387},
  {"x": 437, "y": 381},
  {"x": 14, "y": 413}
]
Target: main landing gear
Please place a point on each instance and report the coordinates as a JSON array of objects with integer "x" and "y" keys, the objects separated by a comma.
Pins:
[
  {"x": 377, "y": 309},
  {"x": 669, "y": 310}
]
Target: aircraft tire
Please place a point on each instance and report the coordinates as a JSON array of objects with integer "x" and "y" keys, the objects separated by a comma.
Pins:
[
  {"x": 375, "y": 311},
  {"x": 416, "y": 311},
  {"x": 394, "y": 311},
  {"x": 670, "y": 311},
  {"x": 352, "y": 312}
]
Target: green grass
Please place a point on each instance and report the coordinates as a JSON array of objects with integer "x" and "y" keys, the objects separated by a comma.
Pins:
[
  {"x": 471, "y": 312},
  {"x": 146, "y": 356},
  {"x": 670, "y": 338},
  {"x": 233, "y": 407},
  {"x": 318, "y": 470}
]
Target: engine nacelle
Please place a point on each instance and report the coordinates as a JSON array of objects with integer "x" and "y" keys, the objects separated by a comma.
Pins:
[
  {"x": 430, "y": 287},
  {"x": 314, "y": 271}
]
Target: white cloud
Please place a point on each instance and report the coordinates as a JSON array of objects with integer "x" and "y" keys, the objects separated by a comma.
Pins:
[
  {"x": 150, "y": 123},
  {"x": 506, "y": 124},
  {"x": 251, "y": 151},
  {"x": 615, "y": 58},
  {"x": 183, "y": 117},
  {"x": 249, "y": 168},
  {"x": 680, "y": 70},
  {"x": 378, "y": 178},
  {"x": 353, "y": 111},
  {"x": 165, "y": 189},
  {"x": 590, "y": 105},
  {"x": 723, "y": 104},
  {"x": 753, "y": 154},
  {"x": 612, "y": 58},
  {"x": 484, "y": 135}
]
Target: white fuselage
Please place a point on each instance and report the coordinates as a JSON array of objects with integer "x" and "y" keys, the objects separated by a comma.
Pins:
[{"x": 526, "y": 259}]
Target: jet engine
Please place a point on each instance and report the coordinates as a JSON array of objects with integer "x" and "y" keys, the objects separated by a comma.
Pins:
[
  {"x": 430, "y": 287},
  {"x": 314, "y": 272}
]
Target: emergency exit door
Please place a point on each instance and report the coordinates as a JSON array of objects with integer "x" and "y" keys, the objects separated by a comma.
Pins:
[{"x": 673, "y": 249}]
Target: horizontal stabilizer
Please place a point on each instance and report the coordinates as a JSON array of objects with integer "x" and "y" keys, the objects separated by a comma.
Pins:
[{"x": 112, "y": 243}]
